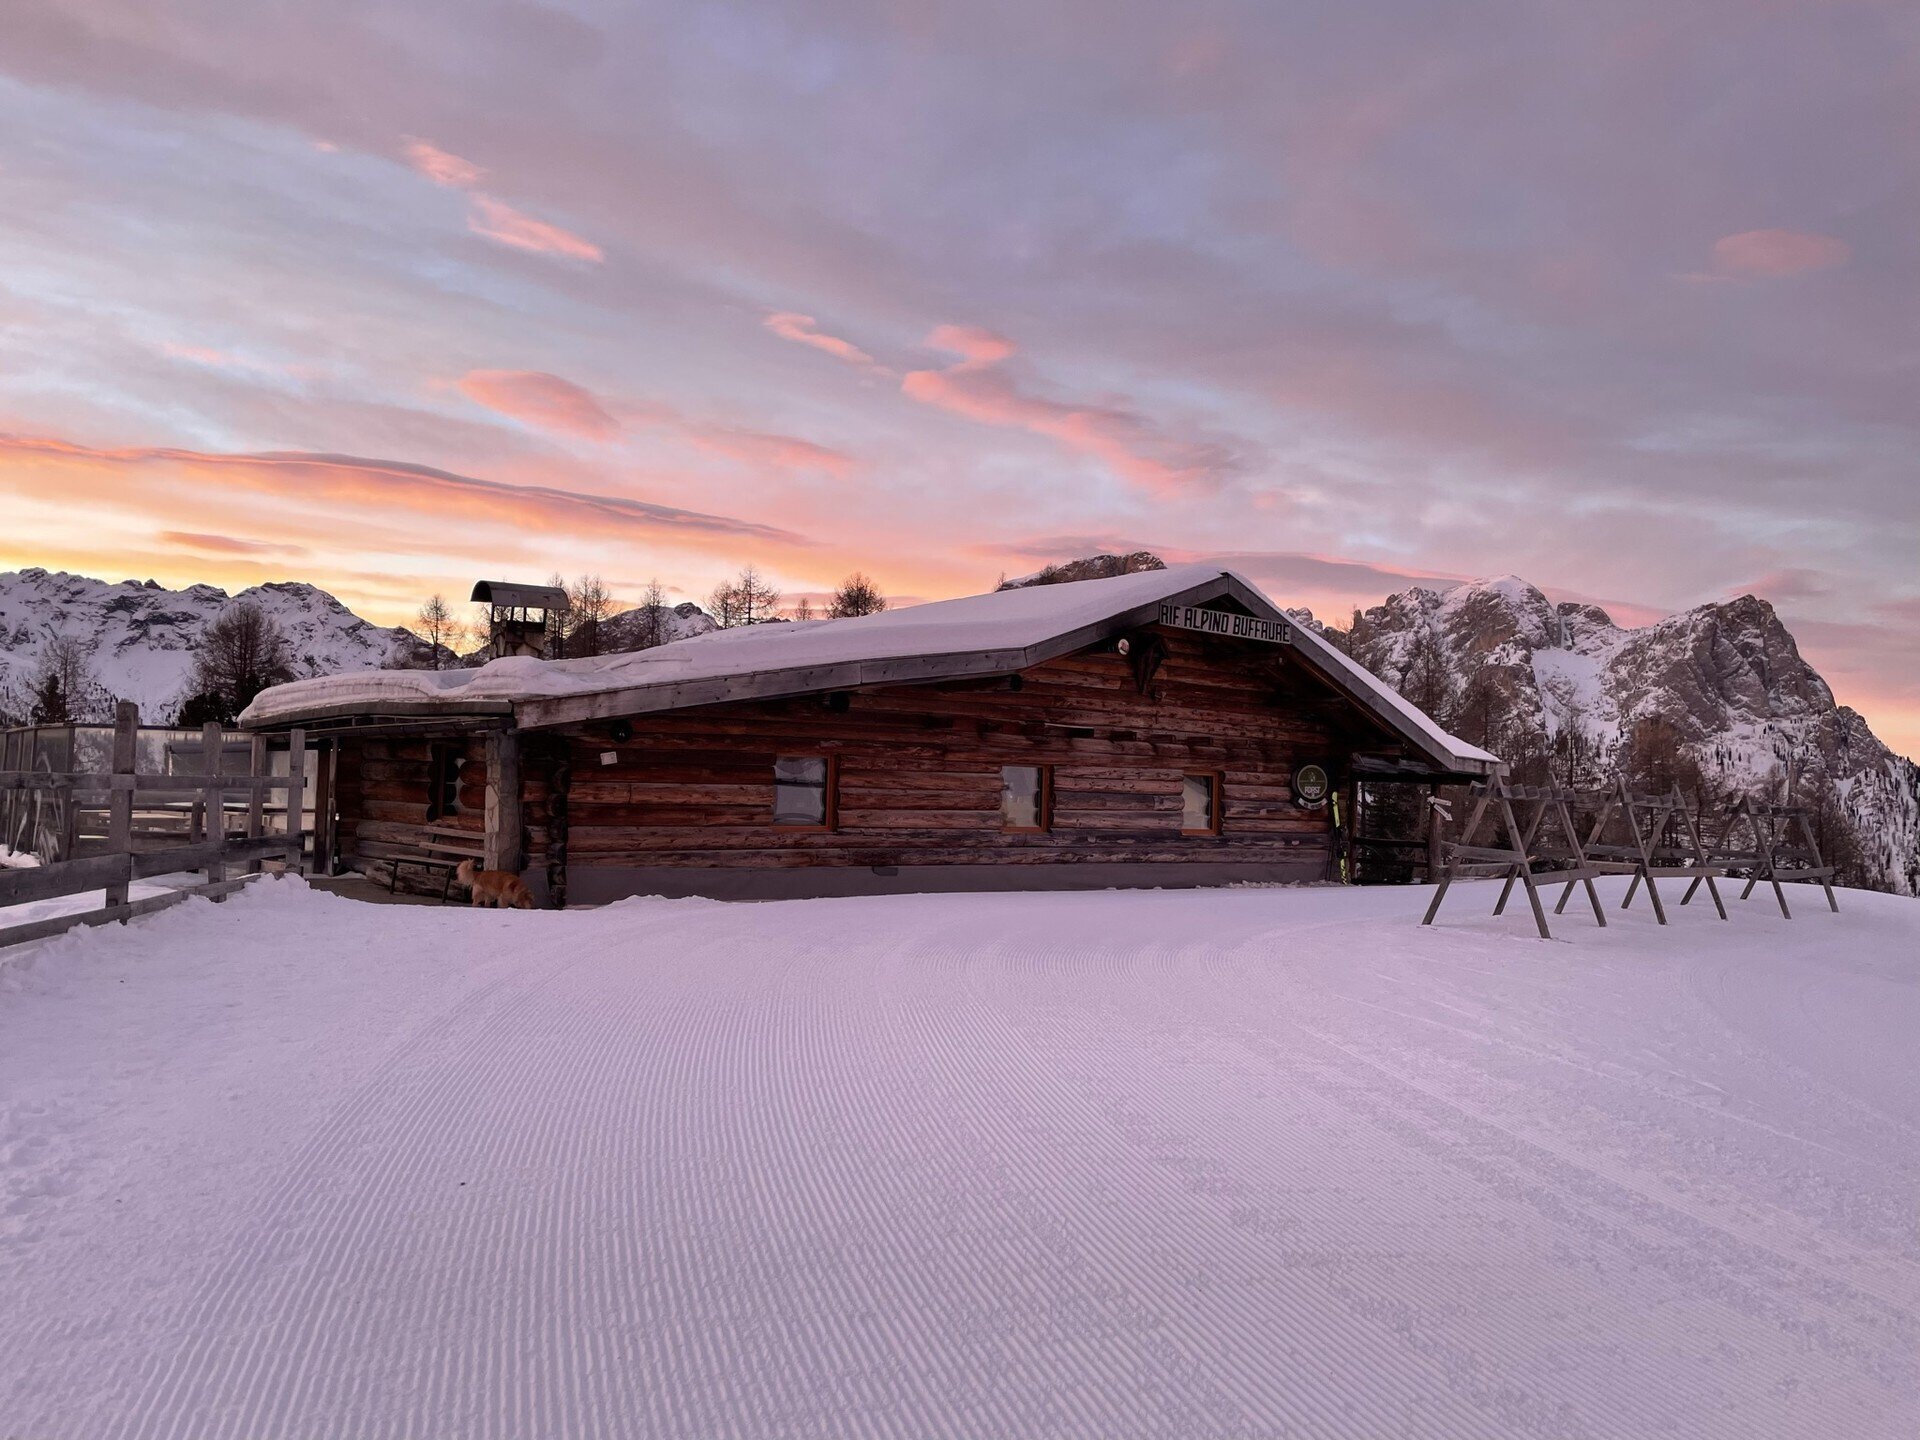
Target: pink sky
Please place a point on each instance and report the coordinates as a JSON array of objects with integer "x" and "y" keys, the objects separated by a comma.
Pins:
[{"x": 1621, "y": 299}]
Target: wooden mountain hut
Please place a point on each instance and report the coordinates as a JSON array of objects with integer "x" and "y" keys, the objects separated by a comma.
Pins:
[{"x": 1167, "y": 728}]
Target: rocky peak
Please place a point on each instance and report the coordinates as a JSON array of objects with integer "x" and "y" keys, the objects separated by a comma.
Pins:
[
  {"x": 1563, "y": 688},
  {"x": 1091, "y": 567}
]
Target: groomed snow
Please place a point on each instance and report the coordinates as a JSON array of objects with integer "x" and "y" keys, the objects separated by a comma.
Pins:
[
  {"x": 1185, "y": 1164},
  {"x": 1004, "y": 620}
]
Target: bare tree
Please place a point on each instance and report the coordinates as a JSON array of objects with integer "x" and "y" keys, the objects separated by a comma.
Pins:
[
  {"x": 63, "y": 689},
  {"x": 241, "y": 653},
  {"x": 1657, "y": 758},
  {"x": 746, "y": 599},
  {"x": 442, "y": 630},
  {"x": 588, "y": 605},
  {"x": 803, "y": 610},
  {"x": 857, "y": 595},
  {"x": 652, "y": 629}
]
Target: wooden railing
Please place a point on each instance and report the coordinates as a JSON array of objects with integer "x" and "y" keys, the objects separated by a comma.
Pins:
[{"x": 129, "y": 852}]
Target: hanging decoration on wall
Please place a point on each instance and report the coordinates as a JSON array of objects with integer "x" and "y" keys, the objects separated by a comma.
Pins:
[{"x": 1311, "y": 786}]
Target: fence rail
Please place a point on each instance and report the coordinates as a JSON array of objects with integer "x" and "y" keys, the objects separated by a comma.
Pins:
[{"x": 187, "y": 829}]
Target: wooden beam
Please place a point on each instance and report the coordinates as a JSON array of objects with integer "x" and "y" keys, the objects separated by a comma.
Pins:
[
  {"x": 257, "y": 765},
  {"x": 58, "y": 924},
  {"x": 323, "y": 803},
  {"x": 504, "y": 848},
  {"x": 126, "y": 752},
  {"x": 213, "y": 740},
  {"x": 296, "y": 795}
]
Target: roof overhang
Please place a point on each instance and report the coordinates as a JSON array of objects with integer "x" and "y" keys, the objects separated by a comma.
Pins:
[
  {"x": 519, "y": 597},
  {"x": 411, "y": 715},
  {"x": 1315, "y": 655}
]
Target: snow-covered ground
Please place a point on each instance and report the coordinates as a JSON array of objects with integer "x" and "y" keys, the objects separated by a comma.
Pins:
[{"x": 1249, "y": 1162}]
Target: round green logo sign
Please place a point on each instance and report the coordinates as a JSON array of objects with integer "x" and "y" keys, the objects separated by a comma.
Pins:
[{"x": 1310, "y": 784}]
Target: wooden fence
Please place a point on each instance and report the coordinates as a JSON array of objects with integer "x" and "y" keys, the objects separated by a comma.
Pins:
[{"x": 156, "y": 824}]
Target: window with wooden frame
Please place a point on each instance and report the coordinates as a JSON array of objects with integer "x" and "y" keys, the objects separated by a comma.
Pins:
[
  {"x": 443, "y": 780},
  {"x": 803, "y": 791},
  {"x": 1200, "y": 804},
  {"x": 1026, "y": 798}
]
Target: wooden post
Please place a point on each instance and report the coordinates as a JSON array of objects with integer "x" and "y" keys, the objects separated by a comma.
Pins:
[
  {"x": 559, "y": 782},
  {"x": 1433, "y": 833},
  {"x": 259, "y": 764},
  {"x": 323, "y": 807},
  {"x": 296, "y": 796},
  {"x": 212, "y": 741},
  {"x": 504, "y": 850},
  {"x": 126, "y": 752}
]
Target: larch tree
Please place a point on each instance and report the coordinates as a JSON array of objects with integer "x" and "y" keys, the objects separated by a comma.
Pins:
[
  {"x": 588, "y": 604},
  {"x": 240, "y": 654},
  {"x": 747, "y": 599},
  {"x": 442, "y": 630},
  {"x": 652, "y": 629},
  {"x": 857, "y": 595}
]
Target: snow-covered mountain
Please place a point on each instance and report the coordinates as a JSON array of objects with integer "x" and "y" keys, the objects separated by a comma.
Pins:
[
  {"x": 142, "y": 635},
  {"x": 631, "y": 629},
  {"x": 1563, "y": 681}
]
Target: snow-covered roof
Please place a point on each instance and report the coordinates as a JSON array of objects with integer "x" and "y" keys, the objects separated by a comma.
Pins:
[{"x": 998, "y": 633}]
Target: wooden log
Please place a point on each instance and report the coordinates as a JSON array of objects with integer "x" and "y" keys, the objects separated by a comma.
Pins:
[{"x": 505, "y": 849}]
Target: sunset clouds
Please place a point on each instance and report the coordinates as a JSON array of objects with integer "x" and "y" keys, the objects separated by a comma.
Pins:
[
  {"x": 804, "y": 330},
  {"x": 1620, "y": 298},
  {"x": 492, "y": 217},
  {"x": 440, "y": 167},
  {"x": 542, "y": 399},
  {"x": 975, "y": 386},
  {"x": 498, "y": 220},
  {"x": 1776, "y": 254}
]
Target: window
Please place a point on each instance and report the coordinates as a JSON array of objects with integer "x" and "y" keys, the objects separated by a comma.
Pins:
[
  {"x": 443, "y": 781},
  {"x": 803, "y": 791},
  {"x": 1200, "y": 804},
  {"x": 1026, "y": 797}
]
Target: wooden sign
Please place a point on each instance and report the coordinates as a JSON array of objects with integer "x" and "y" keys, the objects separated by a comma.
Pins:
[{"x": 1227, "y": 623}]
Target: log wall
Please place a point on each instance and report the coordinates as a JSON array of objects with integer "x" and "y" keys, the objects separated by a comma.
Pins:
[
  {"x": 384, "y": 788},
  {"x": 919, "y": 771}
]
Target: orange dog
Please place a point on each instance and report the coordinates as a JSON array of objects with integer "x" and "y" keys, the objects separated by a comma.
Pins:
[{"x": 494, "y": 887}]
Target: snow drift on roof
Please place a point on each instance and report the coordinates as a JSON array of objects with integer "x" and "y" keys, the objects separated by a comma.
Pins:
[{"x": 1005, "y": 620}]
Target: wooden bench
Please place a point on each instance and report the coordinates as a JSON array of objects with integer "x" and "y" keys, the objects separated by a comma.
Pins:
[{"x": 442, "y": 848}]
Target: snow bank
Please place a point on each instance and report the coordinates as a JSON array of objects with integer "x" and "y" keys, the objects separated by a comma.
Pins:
[{"x": 1141, "y": 1164}]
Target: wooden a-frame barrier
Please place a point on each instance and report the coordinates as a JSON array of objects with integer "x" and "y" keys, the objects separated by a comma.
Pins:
[
  {"x": 1771, "y": 853},
  {"x": 1548, "y": 835},
  {"x": 1662, "y": 841}
]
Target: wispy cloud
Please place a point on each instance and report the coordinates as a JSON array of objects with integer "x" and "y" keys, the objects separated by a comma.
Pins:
[
  {"x": 1129, "y": 445},
  {"x": 489, "y": 216},
  {"x": 497, "y": 220},
  {"x": 207, "y": 544},
  {"x": 440, "y": 166},
  {"x": 540, "y": 399},
  {"x": 552, "y": 403},
  {"x": 804, "y": 330},
  {"x": 351, "y": 480},
  {"x": 1777, "y": 254}
]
